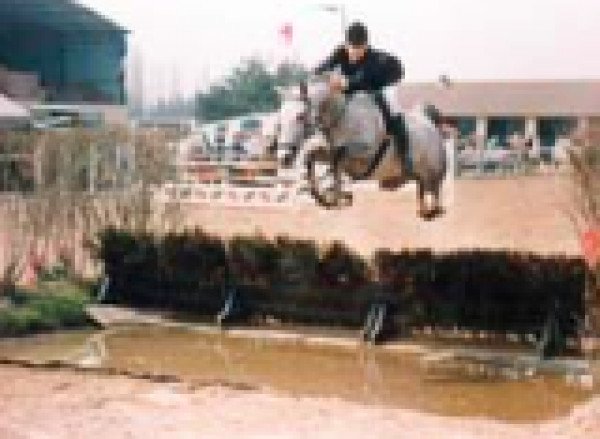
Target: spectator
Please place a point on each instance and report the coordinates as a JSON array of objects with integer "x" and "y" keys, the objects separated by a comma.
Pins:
[
  {"x": 562, "y": 145},
  {"x": 516, "y": 141}
]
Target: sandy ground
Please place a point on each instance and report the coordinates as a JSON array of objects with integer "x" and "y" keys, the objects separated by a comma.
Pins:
[
  {"x": 41, "y": 404},
  {"x": 525, "y": 213},
  {"x": 520, "y": 213}
]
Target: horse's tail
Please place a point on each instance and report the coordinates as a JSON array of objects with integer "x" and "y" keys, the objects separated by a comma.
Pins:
[{"x": 433, "y": 114}]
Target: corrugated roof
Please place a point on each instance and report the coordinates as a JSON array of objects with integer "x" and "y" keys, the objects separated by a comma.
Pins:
[
  {"x": 543, "y": 98},
  {"x": 62, "y": 15}
]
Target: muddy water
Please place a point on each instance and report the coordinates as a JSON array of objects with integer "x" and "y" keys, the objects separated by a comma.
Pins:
[{"x": 369, "y": 375}]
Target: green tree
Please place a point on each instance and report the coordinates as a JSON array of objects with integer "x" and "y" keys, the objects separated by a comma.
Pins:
[
  {"x": 289, "y": 73},
  {"x": 250, "y": 88}
]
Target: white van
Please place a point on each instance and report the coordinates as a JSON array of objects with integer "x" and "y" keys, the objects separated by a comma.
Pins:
[{"x": 242, "y": 137}]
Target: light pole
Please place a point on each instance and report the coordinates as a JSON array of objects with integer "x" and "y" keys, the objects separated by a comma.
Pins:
[{"x": 338, "y": 8}]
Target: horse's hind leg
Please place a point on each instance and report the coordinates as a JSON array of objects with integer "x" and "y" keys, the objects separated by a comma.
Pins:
[
  {"x": 425, "y": 210},
  {"x": 437, "y": 209},
  {"x": 422, "y": 211}
]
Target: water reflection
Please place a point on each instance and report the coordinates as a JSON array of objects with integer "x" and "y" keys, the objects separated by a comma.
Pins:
[
  {"x": 444, "y": 383},
  {"x": 93, "y": 352},
  {"x": 373, "y": 380}
]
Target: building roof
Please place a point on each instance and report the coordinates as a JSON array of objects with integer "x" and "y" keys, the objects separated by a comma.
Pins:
[
  {"x": 62, "y": 15},
  {"x": 509, "y": 98},
  {"x": 11, "y": 110},
  {"x": 12, "y": 115}
]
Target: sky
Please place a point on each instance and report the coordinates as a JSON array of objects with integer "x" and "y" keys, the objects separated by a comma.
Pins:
[{"x": 187, "y": 44}]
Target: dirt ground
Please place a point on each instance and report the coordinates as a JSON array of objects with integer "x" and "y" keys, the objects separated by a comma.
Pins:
[
  {"x": 521, "y": 213},
  {"x": 40, "y": 404},
  {"x": 527, "y": 213}
]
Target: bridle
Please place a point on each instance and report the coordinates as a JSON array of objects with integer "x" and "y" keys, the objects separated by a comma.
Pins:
[
  {"x": 312, "y": 122},
  {"x": 309, "y": 124},
  {"x": 309, "y": 127}
]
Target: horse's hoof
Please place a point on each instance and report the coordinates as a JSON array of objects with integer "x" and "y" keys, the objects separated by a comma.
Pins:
[
  {"x": 424, "y": 214},
  {"x": 391, "y": 184},
  {"x": 346, "y": 199},
  {"x": 429, "y": 216}
]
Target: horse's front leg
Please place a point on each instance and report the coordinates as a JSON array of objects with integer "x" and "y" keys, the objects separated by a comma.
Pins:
[{"x": 343, "y": 197}]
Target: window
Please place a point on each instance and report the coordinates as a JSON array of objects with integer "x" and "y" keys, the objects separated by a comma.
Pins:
[
  {"x": 465, "y": 126},
  {"x": 250, "y": 124},
  {"x": 551, "y": 128},
  {"x": 501, "y": 128}
]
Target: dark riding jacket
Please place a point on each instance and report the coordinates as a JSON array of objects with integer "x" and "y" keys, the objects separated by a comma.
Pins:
[{"x": 373, "y": 72}]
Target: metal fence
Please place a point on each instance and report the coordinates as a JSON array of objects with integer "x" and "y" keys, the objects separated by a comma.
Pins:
[{"x": 493, "y": 162}]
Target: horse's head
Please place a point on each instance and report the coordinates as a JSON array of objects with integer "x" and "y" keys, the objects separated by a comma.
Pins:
[
  {"x": 297, "y": 119},
  {"x": 291, "y": 124}
]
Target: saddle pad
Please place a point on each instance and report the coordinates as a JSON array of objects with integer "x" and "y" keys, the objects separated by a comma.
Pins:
[{"x": 361, "y": 129}]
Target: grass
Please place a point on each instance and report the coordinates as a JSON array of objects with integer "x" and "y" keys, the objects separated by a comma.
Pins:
[{"x": 49, "y": 307}]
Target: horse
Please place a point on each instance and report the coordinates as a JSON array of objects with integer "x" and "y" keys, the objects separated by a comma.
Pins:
[{"x": 319, "y": 127}]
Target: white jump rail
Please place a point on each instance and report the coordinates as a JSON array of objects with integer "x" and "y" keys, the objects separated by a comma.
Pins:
[
  {"x": 278, "y": 195},
  {"x": 229, "y": 195}
]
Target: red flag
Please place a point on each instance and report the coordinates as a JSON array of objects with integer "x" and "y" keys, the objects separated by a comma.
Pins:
[
  {"x": 287, "y": 33},
  {"x": 590, "y": 244}
]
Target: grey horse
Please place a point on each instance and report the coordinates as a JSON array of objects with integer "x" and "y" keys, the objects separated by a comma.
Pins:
[{"x": 321, "y": 129}]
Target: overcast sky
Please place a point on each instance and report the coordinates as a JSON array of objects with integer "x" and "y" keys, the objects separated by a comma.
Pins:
[{"x": 192, "y": 42}]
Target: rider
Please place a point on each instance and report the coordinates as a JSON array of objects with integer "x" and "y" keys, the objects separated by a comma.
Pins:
[{"x": 366, "y": 69}]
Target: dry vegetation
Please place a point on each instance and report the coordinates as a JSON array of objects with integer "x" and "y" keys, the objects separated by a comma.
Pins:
[
  {"x": 72, "y": 184},
  {"x": 585, "y": 160}
]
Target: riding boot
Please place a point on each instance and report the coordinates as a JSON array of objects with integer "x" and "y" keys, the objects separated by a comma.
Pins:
[{"x": 397, "y": 129}]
